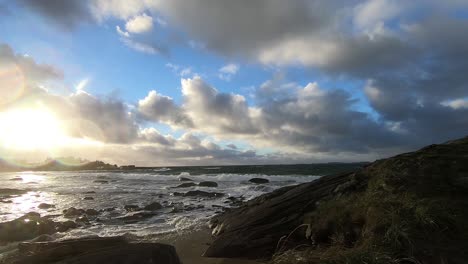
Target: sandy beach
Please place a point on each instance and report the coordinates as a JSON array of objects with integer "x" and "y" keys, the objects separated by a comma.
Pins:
[{"x": 191, "y": 245}]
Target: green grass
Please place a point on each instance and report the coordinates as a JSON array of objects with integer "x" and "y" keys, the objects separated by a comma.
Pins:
[{"x": 381, "y": 225}]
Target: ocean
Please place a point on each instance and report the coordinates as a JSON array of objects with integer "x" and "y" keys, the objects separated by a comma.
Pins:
[{"x": 119, "y": 195}]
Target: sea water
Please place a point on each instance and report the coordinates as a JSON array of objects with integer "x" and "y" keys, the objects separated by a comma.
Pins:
[{"x": 115, "y": 189}]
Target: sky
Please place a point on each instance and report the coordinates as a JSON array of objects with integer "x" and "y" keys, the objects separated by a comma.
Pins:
[{"x": 205, "y": 82}]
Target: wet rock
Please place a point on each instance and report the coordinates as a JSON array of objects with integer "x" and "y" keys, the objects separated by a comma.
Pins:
[
  {"x": 259, "y": 180},
  {"x": 6, "y": 201},
  {"x": 7, "y": 193},
  {"x": 26, "y": 227},
  {"x": 90, "y": 192},
  {"x": 45, "y": 206},
  {"x": 101, "y": 181},
  {"x": 153, "y": 206},
  {"x": 115, "y": 250},
  {"x": 110, "y": 209},
  {"x": 88, "y": 198},
  {"x": 131, "y": 208},
  {"x": 185, "y": 185},
  {"x": 198, "y": 193},
  {"x": 72, "y": 212},
  {"x": 208, "y": 184},
  {"x": 91, "y": 212},
  {"x": 64, "y": 226},
  {"x": 184, "y": 179},
  {"x": 82, "y": 219}
]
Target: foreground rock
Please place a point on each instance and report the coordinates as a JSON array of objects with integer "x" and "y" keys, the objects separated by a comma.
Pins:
[
  {"x": 30, "y": 226},
  {"x": 411, "y": 207},
  {"x": 115, "y": 250}
]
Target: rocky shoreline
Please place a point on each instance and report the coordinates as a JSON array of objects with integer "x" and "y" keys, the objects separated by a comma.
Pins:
[{"x": 410, "y": 208}]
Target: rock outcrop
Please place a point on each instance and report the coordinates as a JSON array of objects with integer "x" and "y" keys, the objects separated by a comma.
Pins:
[
  {"x": 408, "y": 207},
  {"x": 115, "y": 250}
]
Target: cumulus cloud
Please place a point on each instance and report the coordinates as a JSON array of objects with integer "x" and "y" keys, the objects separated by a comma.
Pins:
[
  {"x": 139, "y": 24},
  {"x": 228, "y": 71},
  {"x": 306, "y": 119},
  {"x": 214, "y": 111},
  {"x": 159, "y": 108}
]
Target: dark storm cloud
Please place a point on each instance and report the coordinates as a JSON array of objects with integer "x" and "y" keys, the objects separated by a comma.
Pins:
[{"x": 66, "y": 14}]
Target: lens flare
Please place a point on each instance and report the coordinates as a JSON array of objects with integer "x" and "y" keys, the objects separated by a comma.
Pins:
[{"x": 12, "y": 83}]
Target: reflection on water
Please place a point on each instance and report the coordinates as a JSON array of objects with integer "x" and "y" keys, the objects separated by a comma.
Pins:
[
  {"x": 31, "y": 178},
  {"x": 109, "y": 193}
]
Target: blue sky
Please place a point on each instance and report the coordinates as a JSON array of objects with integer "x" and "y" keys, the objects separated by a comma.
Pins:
[{"x": 235, "y": 83}]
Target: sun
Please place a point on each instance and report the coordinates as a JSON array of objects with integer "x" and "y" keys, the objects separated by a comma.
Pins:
[{"x": 29, "y": 129}]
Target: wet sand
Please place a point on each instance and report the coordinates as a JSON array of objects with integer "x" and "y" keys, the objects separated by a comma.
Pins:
[{"x": 190, "y": 247}]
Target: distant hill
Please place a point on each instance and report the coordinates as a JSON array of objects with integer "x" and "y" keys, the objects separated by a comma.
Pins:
[{"x": 56, "y": 165}]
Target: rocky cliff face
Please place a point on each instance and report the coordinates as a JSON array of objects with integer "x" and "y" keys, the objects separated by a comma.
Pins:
[{"x": 410, "y": 208}]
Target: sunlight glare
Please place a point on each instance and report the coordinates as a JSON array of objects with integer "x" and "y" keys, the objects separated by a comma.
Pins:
[{"x": 30, "y": 129}]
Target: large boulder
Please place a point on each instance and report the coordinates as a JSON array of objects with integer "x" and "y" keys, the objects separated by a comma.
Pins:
[
  {"x": 30, "y": 226},
  {"x": 115, "y": 250},
  {"x": 390, "y": 210}
]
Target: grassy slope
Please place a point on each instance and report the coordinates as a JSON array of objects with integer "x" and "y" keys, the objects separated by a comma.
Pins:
[{"x": 412, "y": 208}]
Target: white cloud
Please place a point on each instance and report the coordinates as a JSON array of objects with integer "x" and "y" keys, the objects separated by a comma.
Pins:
[
  {"x": 122, "y": 33},
  {"x": 228, "y": 71},
  {"x": 139, "y": 24},
  {"x": 457, "y": 104}
]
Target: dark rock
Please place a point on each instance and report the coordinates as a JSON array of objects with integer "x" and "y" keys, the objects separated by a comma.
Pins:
[
  {"x": 208, "y": 184},
  {"x": 64, "y": 226},
  {"x": 73, "y": 212},
  {"x": 82, "y": 219},
  {"x": 90, "y": 192},
  {"x": 153, "y": 206},
  {"x": 88, "y": 198},
  {"x": 185, "y": 185},
  {"x": 110, "y": 209},
  {"x": 131, "y": 207},
  {"x": 6, "y": 201},
  {"x": 184, "y": 179},
  {"x": 26, "y": 227},
  {"x": 111, "y": 250},
  {"x": 7, "y": 193},
  {"x": 259, "y": 180},
  {"x": 101, "y": 181},
  {"x": 45, "y": 206},
  {"x": 91, "y": 212},
  {"x": 198, "y": 193}
]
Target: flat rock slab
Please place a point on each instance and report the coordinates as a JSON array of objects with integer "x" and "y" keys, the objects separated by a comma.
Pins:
[
  {"x": 115, "y": 250},
  {"x": 253, "y": 230}
]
